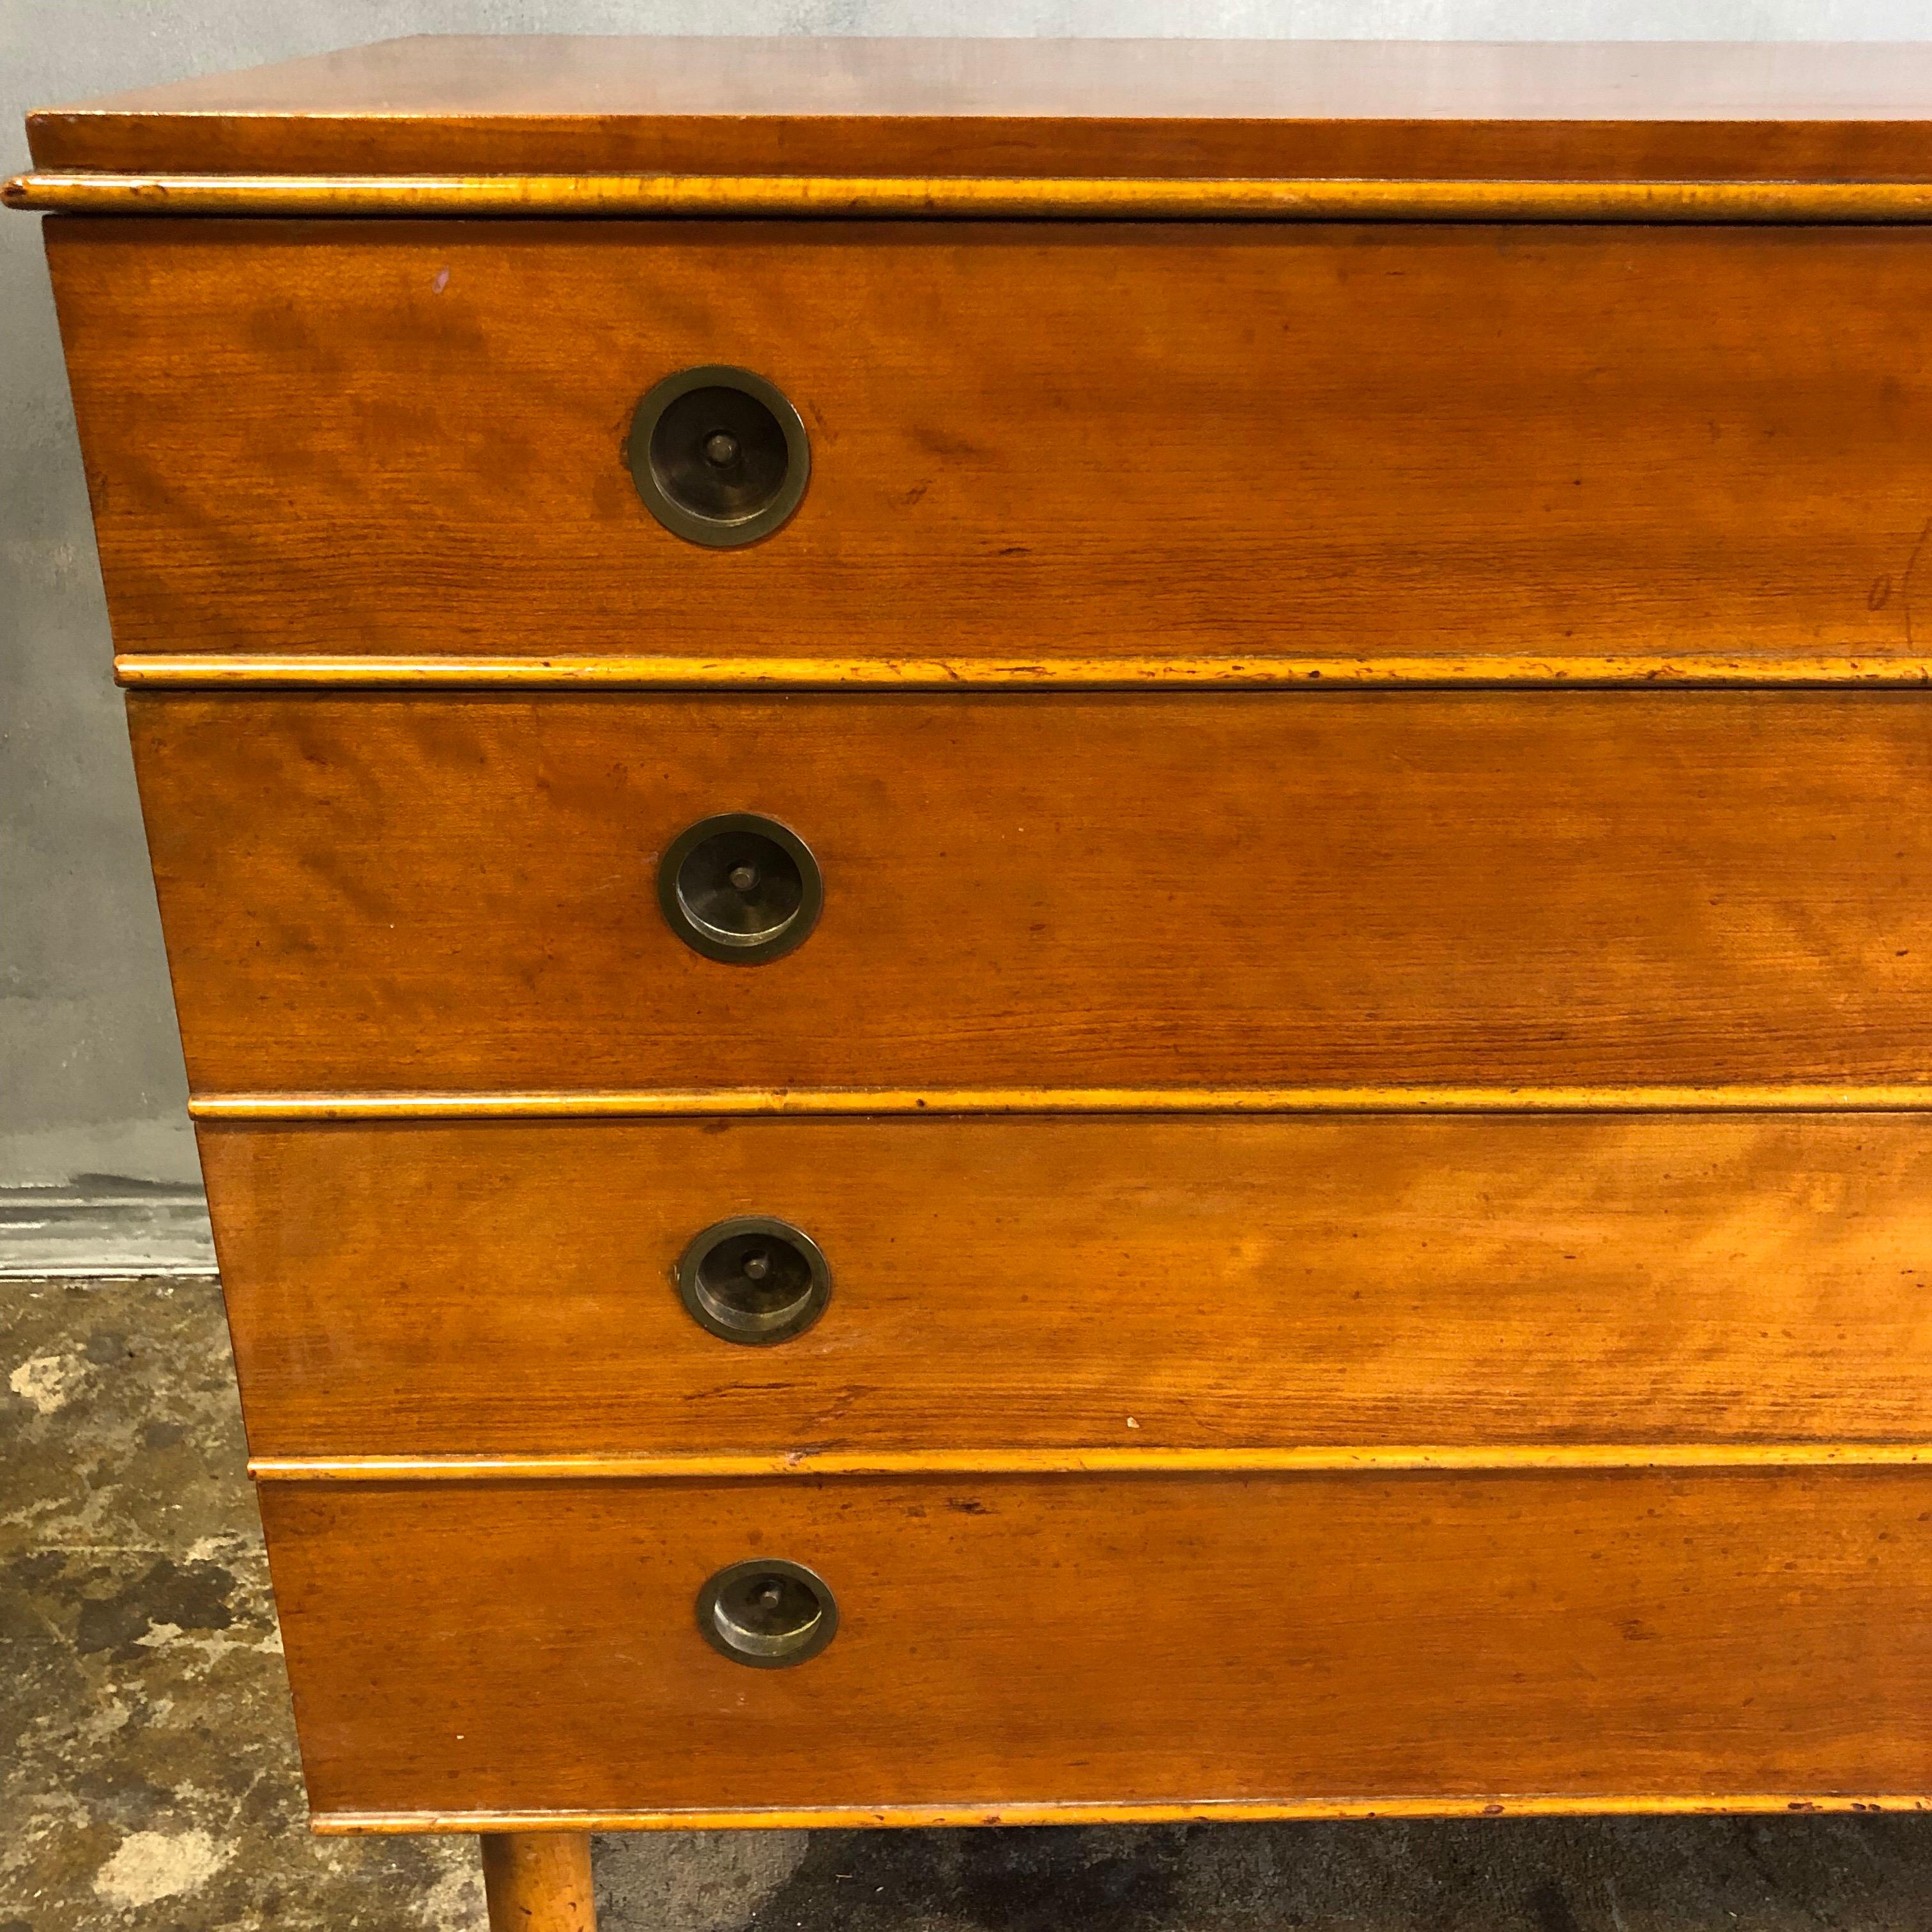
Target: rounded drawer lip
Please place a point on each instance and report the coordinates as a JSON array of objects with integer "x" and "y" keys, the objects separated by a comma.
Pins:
[
  {"x": 1442, "y": 1459},
  {"x": 741, "y": 1102},
  {"x": 244, "y": 670},
  {"x": 1061, "y": 198}
]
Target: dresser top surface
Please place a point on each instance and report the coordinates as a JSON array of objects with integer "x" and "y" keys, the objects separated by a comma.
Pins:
[{"x": 1023, "y": 108}]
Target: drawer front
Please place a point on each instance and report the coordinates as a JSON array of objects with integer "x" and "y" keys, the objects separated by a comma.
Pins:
[
  {"x": 510, "y": 1288},
  {"x": 1031, "y": 441},
  {"x": 1094, "y": 1639},
  {"x": 381, "y": 892}
]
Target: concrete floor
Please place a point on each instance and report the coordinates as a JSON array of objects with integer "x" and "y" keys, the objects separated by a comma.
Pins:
[{"x": 148, "y": 1778}]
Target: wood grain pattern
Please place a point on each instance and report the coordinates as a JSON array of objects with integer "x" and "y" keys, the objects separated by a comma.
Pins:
[
  {"x": 1555, "y": 1453},
  {"x": 1053, "y": 1284},
  {"x": 1044, "y": 445},
  {"x": 1155, "y": 1641},
  {"x": 356, "y": 1824},
  {"x": 538, "y": 1881},
  {"x": 737, "y": 1465},
  {"x": 848, "y": 1102},
  {"x": 1160, "y": 108},
  {"x": 215, "y": 670},
  {"x": 369, "y": 893},
  {"x": 963, "y": 198}
]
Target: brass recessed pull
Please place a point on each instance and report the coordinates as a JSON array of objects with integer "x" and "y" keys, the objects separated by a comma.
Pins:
[
  {"x": 740, "y": 887},
  {"x": 767, "y": 1612},
  {"x": 753, "y": 1279},
  {"x": 718, "y": 455}
]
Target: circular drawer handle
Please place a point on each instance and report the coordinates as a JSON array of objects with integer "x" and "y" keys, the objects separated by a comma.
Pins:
[
  {"x": 740, "y": 887},
  {"x": 752, "y": 1280},
  {"x": 718, "y": 455},
  {"x": 767, "y": 1613}
]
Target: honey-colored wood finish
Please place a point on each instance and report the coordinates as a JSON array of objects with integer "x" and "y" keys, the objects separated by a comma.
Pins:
[
  {"x": 848, "y": 1102},
  {"x": 538, "y": 1881},
  {"x": 1092, "y": 1639},
  {"x": 738, "y": 1466},
  {"x": 1050, "y": 442},
  {"x": 1209, "y": 1811},
  {"x": 215, "y": 670},
  {"x": 371, "y": 892},
  {"x": 1158, "y": 109},
  {"x": 1048, "y": 1283},
  {"x": 965, "y": 198},
  {"x": 1410, "y": 1299}
]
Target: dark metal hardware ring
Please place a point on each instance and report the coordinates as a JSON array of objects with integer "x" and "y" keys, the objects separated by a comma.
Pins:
[
  {"x": 767, "y": 1613},
  {"x": 740, "y": 888},
  {"x": 719, "y": 455},
  {"x": 750, "y": 1279}
]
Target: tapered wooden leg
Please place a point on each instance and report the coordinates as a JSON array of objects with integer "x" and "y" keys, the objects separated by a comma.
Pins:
[{"x": 538, "y": 1881}]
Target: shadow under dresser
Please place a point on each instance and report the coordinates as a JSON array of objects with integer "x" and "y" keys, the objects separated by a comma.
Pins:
[{"x": 1053, "y": 922}]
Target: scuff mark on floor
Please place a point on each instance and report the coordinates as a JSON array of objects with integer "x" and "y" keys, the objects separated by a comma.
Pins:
[
  {"x": 147, "y": 1867},
  {"x": 45, "y": 1382}
]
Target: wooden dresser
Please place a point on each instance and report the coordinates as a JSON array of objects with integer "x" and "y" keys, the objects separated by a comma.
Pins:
[{"x": 1054, "y": 923}]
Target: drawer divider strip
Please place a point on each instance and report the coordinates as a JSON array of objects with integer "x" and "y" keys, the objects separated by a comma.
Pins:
[
  {"x": 219, "y": 671},
  {"x": 1329, "y": 1460},
  {"x": 1796, "y": 1098}
]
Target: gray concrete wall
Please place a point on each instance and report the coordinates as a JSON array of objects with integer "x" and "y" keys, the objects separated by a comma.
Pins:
[{"x": 91, "y": 1081}]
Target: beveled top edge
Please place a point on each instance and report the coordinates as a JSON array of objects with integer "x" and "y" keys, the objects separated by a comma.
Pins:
[{"x": 1022, "y": 108}]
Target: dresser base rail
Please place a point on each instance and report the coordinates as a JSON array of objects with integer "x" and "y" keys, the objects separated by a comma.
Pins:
[{"x": 1233, "y": 1811}]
